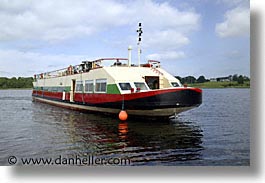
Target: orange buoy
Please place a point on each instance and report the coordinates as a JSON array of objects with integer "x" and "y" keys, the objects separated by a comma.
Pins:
[{"x": 123, "y": 115}]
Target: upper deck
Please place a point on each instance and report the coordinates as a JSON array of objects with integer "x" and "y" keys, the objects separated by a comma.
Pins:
[{"x": 87, "y": 66}]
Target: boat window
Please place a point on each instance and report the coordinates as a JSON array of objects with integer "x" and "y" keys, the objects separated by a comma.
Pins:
[
  {"x": 101, "y": 85},
  {"x": 79, "y": 86},
  {"x": 60, "y": 89},
  {"x": 152, "y": 82},
  {"x": 140, "y": 85},
  {"x": 175, "y": 84},
  {"x": 125, "y": 86},
  {"x": 54, "y": 89},
  {"x": 89, "y": 86}
]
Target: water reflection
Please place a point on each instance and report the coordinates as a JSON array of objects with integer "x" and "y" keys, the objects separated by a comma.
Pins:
[
  {"x": 123, "y": 131},
  {"x": 144, "y": 142}
]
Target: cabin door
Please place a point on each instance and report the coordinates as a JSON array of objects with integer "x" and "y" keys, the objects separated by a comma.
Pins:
[
  {"x": 152, "y": 82},
  {"x": 72, "y": 92}
]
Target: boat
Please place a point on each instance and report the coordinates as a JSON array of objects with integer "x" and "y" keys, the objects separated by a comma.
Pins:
[
  {"x": 109, "y": 85},
  {"x": 146, "y": 90}
]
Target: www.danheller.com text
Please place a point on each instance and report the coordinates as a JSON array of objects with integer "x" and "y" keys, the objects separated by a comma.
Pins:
[{"x": 90, "y": 160}]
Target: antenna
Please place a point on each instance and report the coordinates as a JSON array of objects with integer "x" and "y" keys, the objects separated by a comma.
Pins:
[{"x": 140, "y": 32}]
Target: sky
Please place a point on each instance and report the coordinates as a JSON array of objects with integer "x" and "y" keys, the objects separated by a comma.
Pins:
[{"x": 191, "y": 37}]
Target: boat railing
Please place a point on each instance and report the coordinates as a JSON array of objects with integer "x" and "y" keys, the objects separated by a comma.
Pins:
[{"x": 85, "y": 66}]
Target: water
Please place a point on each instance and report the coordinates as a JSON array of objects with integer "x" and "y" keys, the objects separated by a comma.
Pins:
[{"x": 216, "y": 133}]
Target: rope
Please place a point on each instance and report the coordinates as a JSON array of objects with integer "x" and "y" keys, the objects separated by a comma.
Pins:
[{"x": 122, "y": 107}]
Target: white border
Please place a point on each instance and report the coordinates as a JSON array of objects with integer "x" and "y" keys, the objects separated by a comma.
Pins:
[{"x": 255, "y": 173}]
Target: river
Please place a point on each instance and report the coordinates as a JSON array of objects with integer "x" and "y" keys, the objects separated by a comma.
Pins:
[{"x": 214, "y": 134}]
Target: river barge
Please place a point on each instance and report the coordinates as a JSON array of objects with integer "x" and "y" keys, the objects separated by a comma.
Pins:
[
  {"x": 109, "y": 85},
  {"x": 145, "y": 90}
]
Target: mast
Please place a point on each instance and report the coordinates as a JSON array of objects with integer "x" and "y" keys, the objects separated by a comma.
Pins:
[
  {"x": 139, "y": 41},
  {"x": 129, "y": 56}
]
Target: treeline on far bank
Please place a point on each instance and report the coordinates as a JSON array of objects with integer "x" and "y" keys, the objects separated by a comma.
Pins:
[
  {"x": 14, "y": 82},
  {"x": 201, "y": 79},
  {"x": 219, "y": 82}
]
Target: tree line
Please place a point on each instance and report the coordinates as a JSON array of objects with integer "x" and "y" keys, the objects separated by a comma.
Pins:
[
  {"x": 14, "y": 82},
  {"x": 26, "y": 82},
  {"x": 240, "y": 79}
]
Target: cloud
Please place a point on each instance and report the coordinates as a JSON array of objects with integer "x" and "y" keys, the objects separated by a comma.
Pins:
[
  {"x": 166, "y": 39},
  {"x": 28, "y": 24},
  {"x": 59, "y": 20},
  {"x": 163, "y": 16},
  {"x": 18, "y": 63},
  {"x": 236, "y": 24},
  {"x": 171, "y": 55},
  {"x": 165, "y": 27}
]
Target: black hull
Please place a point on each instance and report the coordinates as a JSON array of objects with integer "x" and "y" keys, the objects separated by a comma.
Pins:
[
  {"x": 175, "y": 99},
  {"x": 161, "y": 105}
]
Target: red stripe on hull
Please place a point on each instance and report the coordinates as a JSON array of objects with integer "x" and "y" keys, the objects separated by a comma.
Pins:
[
  {"x": 97, "y": 98},
  {"x": 54, "y": 95}
]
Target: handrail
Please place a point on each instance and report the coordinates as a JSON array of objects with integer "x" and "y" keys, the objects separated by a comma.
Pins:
[
  {"x": 110, "y": 59},
  {"x": 66, "y": 71},
  {"x": 154, "y": 61},
  {"x": 86, "y": 66}
]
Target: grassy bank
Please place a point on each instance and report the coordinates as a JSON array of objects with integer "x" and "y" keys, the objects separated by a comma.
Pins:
[{"x": 225, "y": 84}]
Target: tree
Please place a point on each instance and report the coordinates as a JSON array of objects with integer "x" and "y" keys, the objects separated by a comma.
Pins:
[
  {"x": 240, "y": 80},
  {"x": 234, "y": 77},
  {"x": 12, "y": 83},
  {"x": 188, "y": 80},
  {"x": 15, "y": 83},
  {"x": 201, "y": 79},
  {"x": 3, "y": 82}
]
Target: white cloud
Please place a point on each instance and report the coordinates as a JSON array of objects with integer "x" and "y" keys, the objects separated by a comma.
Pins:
[
  {"x": 17, "y": 63},
  {"x": 171, "y": 55},
  {"x": 165, "y": 27},
  {"x": 237, "y": 23},
  {"x": 165, "y": 39},
  {"x": 163, "y": 16},
  {"x": 59, "y": 20}
]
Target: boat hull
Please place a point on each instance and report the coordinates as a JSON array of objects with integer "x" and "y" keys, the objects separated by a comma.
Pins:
[{"x": 155, "y": 103}]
